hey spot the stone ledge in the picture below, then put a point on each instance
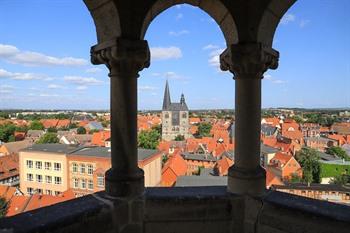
(200, 209)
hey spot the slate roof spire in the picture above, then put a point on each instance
(166, 100)
(182, 100)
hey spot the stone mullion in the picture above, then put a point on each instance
(124, 58)
(247, 62)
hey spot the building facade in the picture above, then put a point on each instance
(43, 169)
(175, 120)
(54, 168)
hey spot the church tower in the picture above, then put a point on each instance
(174, 117)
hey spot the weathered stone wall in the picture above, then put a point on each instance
(190, 209)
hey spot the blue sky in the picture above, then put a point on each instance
(45, 44)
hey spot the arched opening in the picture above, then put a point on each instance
(216, 10)
(185, 45)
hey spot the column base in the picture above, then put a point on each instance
(124, 185)
(244, 182)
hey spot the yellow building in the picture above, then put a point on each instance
(43, 168)
(53, 168)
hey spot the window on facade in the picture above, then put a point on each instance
(75, 167)
(90, 185)
(29, 177)
(47, 165)
(39, 191)
(39, 178)
(48, 179)
(58, 180)
(166, 115)
(48, 192)
(100, 180)
(83, 183)
(57, 166)
(57, 193)
(38, 165)
(29, 164)
(82, 168)
(184, 115)
(75, 183)
(90, 169)
(30, 191)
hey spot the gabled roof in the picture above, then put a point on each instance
(15, 147)
(20, 204)
(177, 164)
(7, 192)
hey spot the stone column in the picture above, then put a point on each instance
(248, 62)
(124, 59)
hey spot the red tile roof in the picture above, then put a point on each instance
(223, 165)
(99, 138)
(49, 123)
(174, 167)
(7, 192)
(20, 204)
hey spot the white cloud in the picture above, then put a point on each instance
(147, 88)
(210, 47)
(48, 95)
(179, 33)
(8, 50)
(82, 80)
(6, 89)
(287, 18)
(269, 78)
(12, 54)
(81, 88)
(23, 76)
(170, 75)
(179, 16)
(54, 86)
(304, 22)
(93, 70)
(214, 58)
(165, 53)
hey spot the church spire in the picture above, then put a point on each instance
(182, 100)
(166, 100)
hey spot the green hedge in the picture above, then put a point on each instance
(332, 170)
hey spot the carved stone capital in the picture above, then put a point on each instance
(248, 60)
(122, 56)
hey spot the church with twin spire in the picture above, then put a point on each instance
(175, 119)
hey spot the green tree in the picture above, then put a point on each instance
(6, 131)
(20, 116)
(73, 125)
(81, 130)
(4, 205)
(179, 138)
(52, 130)
(158, 128)
(23, 129)
(338, 151)
(48, 138)
(298, 119)
(12, 138)
(36, 125)
(341, 179)
(295, 178)
(4, 115)
(309, 161)
(148, 139)
(204, 129)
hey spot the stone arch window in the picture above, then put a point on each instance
(122, 48)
